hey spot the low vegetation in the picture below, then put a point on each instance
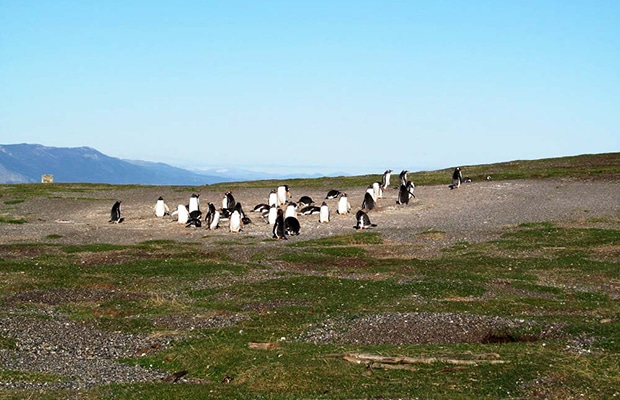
(295, 323)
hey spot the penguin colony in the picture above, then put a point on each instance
(282, 213)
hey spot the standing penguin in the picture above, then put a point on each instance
(194, 203)
(215, 221)
(343, 204)
(161, 209)
(291, 210)
(405, 193)
(235, 222)
(385, 180)
(182, 214)
(228, 202)
(377, 191)
(273, 198)
(402, 177)
(273, 214)
(115, 213)
(369, 202)
(279, 230)
(457, 178)
(210, 214)
(283, 194)
(362, 220)
(291, 226)
(324, 213)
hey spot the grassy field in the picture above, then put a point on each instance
(562, 281)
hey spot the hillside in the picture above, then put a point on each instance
(26, 163)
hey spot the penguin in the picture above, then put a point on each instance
(371, 191)
(403, 196)
(309, 210)
(194, 203)
(377, 192)
(115, 213)
(410, 189)
(368, 203)
(273, 198)
(182, 214)
(291, 226)
(457, 178)
(261, 208)
(283, 194)
(291, 210)
(244, 218)
(235, 222)
(225, 214)
(405, 193)
(279, 231)
(215, 220)
(343, 204)
(228, 201)
(363, 222)
(324, 213)
(273, 213)
(332, 194)
(385, 180)
(194, 219)
(210, 214)
(161, 209)
(305, 201)
(402, 177)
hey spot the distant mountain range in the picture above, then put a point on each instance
(27, 163)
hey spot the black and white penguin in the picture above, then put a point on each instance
(332, 194)
(228, 202)
(362, 220)
(210, 214)
(194, 219)
(182, 214)
(457, 178)
(402, 177)
(279, 230)
(215, 220)
(194, 203)
(405, 193)
(309, 210)
(385, 180)
(283, 194)
(324, 213)
(305, 201)
(273, 198)
(291, 210)
(244, 218)
(261, 208)
(377, 191)
(225, 214)
(368, 203)
(370, 190)
(115, 213)
(291, 226)
(273, 214)
(235, 222)
(343, 204)
(161, 208)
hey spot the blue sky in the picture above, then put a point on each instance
(313, 86)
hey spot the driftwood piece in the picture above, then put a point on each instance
(377, 361)
(263, 346)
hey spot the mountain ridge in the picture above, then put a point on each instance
(27, 163)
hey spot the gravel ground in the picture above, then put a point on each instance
(47, 342)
